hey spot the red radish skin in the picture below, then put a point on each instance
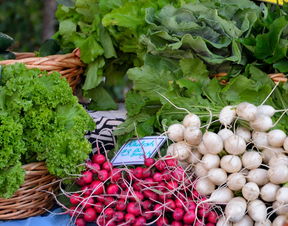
(191, 206)
(212, 217)
(140, 221)
(75, 199)
(116, 175)
(170, 204)
(134, 208)
(99, 159)
(109, 201)
(129, 217)
(148, 215)
(203, 213)
(210, 224)
(80, 222)
(101, 199)
(72, 211)
(80, 181)
(94, 167)
(157, 177)
(112, 189)
(178, 214)
(88, 202)
(139, 195)
(178, 203)
(150, 195)
(98, 206)
(138, 172)
(149, 162)
(108, 213)
(189, 217)
(171, 162)
(137, 186)
(160, 165)
(103, 175)
(162, 221)
(119, 216)
(176, 223)
(147, 204)
(86, 190)
(120, 205)
(146, 173)
(107, 166)
(97, 187)
(158, 209)
(90, 215)
(172, 185)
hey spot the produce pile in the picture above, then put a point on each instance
(159, 192)
(243, 166)
(40, 120)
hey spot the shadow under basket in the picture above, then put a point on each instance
(33, 197)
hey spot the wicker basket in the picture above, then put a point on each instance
(31, 198)
(68, 65)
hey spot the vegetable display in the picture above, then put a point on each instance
(244, 165)
(40, 120)
(160, 193)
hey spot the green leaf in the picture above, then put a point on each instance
(106, 43)
(101, 100)
(90, 50)
(195, 70)
(134, 103)
(67, 3)
(67, 27)
(94, 75)
(282, 66)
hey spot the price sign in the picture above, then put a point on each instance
(132, 153)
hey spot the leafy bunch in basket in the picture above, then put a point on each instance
(40, 120)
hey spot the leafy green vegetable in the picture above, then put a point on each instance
(40, 120)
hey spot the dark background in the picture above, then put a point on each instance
(29, 22)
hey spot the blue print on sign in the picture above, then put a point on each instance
(132, 153)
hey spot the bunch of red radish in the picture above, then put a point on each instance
(160, 192)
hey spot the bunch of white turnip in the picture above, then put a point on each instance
(244, 168)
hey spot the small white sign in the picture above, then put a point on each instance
(132, 153)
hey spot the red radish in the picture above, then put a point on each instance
(86, 190)
(178, 174)
(119, 216)
(103, 175)
(212, 217)
(191, 206)
(109, 212)
(112, 189)
(75, 199)
(97, 187)
(158, 209)
(136, 186)
(138, 172)
(89, 215)
(157, 177)
(197, 223)
(162, 186)
(178, 214)
(129, 217)
(94, 167)
(101, 199)
(166, 175)
(134, 208)
(148, 215)
(80, 181)
(160, 165)
(98, 206)
(140, 221)
(139, 195)
(149, 181)
(172, 185)
(111, 223)
(189, 217)
(146, 173)
(210, 224)
(170, 204)
(108, 200)
(149, 162)
(203, 213)
(150, 195)
(146, 204)
(88, 202)
(107, 166)
(99, 159)
(115, 175)
(176, 223)
(101, 220)
(162, 221)
(171, 162)
(80, 222)
(178, 203)
(120, 205)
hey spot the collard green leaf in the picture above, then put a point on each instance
(101, 99)
(94, 74)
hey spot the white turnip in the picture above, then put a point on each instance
(268, 192)
(260, 140)
(227, 115)
(212, 142)
(262, 123)
(266, 110)
(176, 132)
(244, 133)
(236, 181)
(235, 209)
(210, 161)
(259, 176)
(191, 120)
(276, 138)
(217, 176)
(231, 163)
(278, 174)
(250, 191)
(235, 145)
(257, 210)
(246, 111)
(192, 135)
(251, 160)
(225, 133)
